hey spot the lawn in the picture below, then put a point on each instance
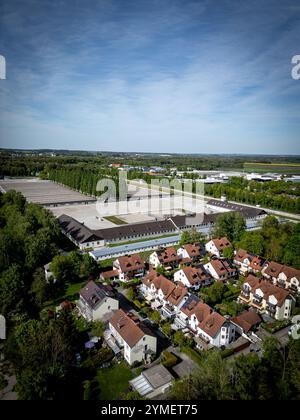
(113, 381)
(193, 354)
(72, 294)
(116, 220)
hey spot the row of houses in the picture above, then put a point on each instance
(270, 293)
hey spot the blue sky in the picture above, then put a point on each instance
(186, 76)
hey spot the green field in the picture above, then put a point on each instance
(284, 168)
(113, 381)
(116, 220)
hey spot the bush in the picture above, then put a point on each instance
(226, 353)
(168, 359)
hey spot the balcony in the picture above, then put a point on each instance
(271, 308)
(168, 311)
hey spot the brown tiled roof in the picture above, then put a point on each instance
(190, 305)
(129, 328)
(274, 269)
(167, 255)
(247, 320)
(193, 250)
(196, 275)
(109, 274)
(202, 311)
(212, 324)
(177, 294)
(256, 262)
(222, 267)
(131, 263)
(267, 288)
(221, 243)
(240, 255)
(159, 282)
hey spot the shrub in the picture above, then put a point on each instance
(168, 359)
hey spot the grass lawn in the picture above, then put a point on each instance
(116, 220)
(113, 381)
(72, 293)
(193, 354)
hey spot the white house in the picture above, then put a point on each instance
(217, 246)
(191, 252)
(129, 267)
(193, 277)
(283, 276)
(165, 296)
(220, 270)
(248, 262)
(212, 328)
(267, 298)
(166, 258)
(97, 302)
(138, 343)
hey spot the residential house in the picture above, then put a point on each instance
(166, 257)
(193, 277)
(191, 252)
(248, 262)
(183, 316)
(166, 296)
(217, 246)
(139, 344)
(283, 276)
(221, 269)
(266, 297)
(210, 327)
(97, 302)
(129, 267)
(247, 321)
(174, 301)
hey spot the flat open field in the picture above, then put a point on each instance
(43, 192)
(283, 168)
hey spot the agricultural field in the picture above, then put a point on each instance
(283, 168)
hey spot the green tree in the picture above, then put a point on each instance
(231, 225)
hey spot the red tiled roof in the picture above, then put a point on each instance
(193, 250)
(131, 263)
(212, 324)
(221, 243)
(222, 267)
(274, 269)
(196, 275)
(159, 282)
(177, 294)
(167, 255)
(129, 328)
(247, 320)
(267, 288)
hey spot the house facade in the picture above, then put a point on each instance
(166, 258)
(248, 262)
(193, 277)
(221, 269)
(217, 246)
(97, 302)
(129, 267)
(283, 276)
(191, 252)
(266, 297)
(137, 342)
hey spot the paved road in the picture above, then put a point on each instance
(201, 197)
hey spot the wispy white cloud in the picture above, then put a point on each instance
(198, 78)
